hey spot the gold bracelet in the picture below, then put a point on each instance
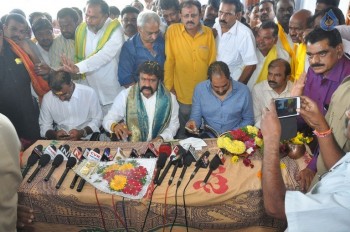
(114, 124)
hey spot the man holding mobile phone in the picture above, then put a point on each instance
(74, 108)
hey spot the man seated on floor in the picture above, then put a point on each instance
(223, 103)
(69, 111)
(277, 85)
(328, 201)
(145, 111)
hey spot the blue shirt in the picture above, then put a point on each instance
(235, 111)
(133, 54)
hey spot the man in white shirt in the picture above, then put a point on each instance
(73, 108)
(277, 85)
(326, 207)
(266, 51)
(99, 41)
(235, 42)
(145, 111)
(43, 32)
(129, 21)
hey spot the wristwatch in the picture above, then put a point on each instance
(84, 132)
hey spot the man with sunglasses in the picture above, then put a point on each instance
(145, 111)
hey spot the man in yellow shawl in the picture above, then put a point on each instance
(145, 111)
(98, 42)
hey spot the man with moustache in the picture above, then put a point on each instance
(63, 44)
(98, 43)
(129, 21)
(267, 10)
(147, 44)
(223, 103)
(190, 49)
(266, 51)
(235, 42)
(211, 12)
(146, 111)
(170, 11)
(277, 85)
(43, 32)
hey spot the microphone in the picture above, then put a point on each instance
(32, 159)
(172, 158)
(70, 163)
(106, 155)
(51, 150)
(151, 151)
(134, 154)
(165, 148)
(55, 163)
(95, 154)
(178, 163)
(78, 154)
(187, 162)
(160, 165)
(214, 164)
(44, 160)
(203, 162)
(64, 150)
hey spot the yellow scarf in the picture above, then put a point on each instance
(283, 38)
(300, 60)
(80, 39)
(272, 55)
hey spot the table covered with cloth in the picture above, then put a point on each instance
(231, 200)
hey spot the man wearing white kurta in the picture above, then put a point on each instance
(98, 57)
(235, 42)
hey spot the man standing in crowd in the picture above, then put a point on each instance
(328, 197)
(68, 20)
(235, 42)
(146, 45)
(266, 51)
(267, 10)
(129, 21)
(211, 12)
(224, 104)
(97, 48)
(73, 108)
(190, 49)
(170, 11)
(43, 32)
(277, 85)
(324, 4)
(145, 111)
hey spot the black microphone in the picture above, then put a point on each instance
(203, 162)
(70, 163)
(178, 163)
(160, 165)
(106, 156)
(32, 159)
(187, 162)
(78, 153)
(214, 164)
(82, 181)
(55, 163)
(64, 150)
(172, 158)
(44, 160)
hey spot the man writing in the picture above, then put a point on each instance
(223, 103)
(74, 108)
(145, 111)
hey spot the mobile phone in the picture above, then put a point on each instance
(287, 107)
(192, 131)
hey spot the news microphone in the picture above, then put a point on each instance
(78, 154)
(214, 164)
(160, 165)
(44, 160)
(82, 181)
(106, 155)
(64, 150)
(32, 159)
(172, 159)
(70, 163)
(165, 148)
(51, 150)
(203, 162)
(178, 163)
(187, 162)
(57, 161)
(151, 151)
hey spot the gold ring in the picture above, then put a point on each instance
(124, 127)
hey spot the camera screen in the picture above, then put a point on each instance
(286, 107)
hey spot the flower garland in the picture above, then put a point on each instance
(127, 177)
(241, 142)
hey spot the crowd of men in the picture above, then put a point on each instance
(170, 69)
